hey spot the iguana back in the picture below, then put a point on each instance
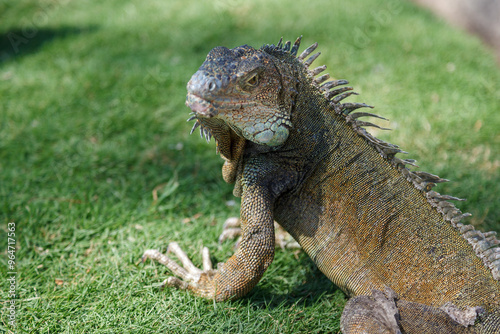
(368, 227)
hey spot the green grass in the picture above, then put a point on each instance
(92, 120)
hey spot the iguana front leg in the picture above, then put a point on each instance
(245, 268)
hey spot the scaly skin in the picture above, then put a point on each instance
(375, 229)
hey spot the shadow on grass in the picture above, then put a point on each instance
(315, 287)
(20, 42)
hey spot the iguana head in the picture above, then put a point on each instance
(242, 90)
(248, 94)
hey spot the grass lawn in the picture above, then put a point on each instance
(92, 126)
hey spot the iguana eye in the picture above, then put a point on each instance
(253, 80)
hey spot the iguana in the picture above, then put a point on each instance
(299, 155)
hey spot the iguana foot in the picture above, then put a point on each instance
(371, 314)
(232, 230)
(191, 277)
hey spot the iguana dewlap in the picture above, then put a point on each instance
(300, 156)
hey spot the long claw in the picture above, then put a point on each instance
(232, 222)
(229, 233)
(231, 229)
(182, 256)
(175, 282)
(207, 263)
(154, 254)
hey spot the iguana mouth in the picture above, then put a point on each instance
(204, 114)
(200, 106)
(211, 108)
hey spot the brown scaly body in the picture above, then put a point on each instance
(299, 156)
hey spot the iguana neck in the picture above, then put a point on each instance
(317, 130)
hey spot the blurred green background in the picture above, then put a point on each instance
(97, 165)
